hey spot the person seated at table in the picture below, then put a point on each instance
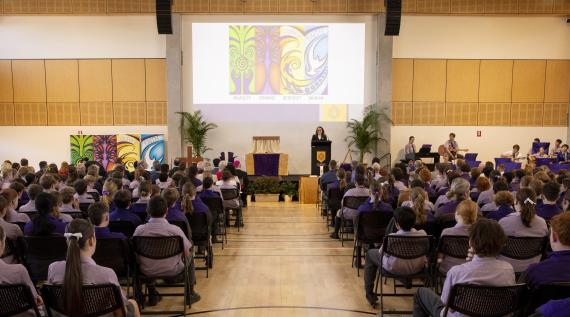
(540, 154)
(46, 223)
(515, 154)
(486, 239)
(410, 150)
(503, 201)
(556, 148)
(563, 156)
(121, 212)
(458, 192)
(549, 207)
(99, 217)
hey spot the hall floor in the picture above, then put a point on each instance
(282, 263)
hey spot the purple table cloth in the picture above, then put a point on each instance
(266, 164)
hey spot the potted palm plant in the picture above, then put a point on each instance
(364, 135)
(289, 190)
(266, 189)
(195, 129)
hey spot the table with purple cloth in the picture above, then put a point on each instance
(267, 164)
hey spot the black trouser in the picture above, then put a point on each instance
(180, 277)
(427, 303)
(371, 265)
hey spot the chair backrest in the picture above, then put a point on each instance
(371, 226)
(125, 227)
(43, 251)
(334, 198)
(214, 204)
(522, 248)
(9, 247)
(98, 300)
(32, 214)
(113, 253)
(183, 225)
(353, 202)
(198, 222)
(16, 299)
(445, 221)
(485, 301)
(158, 248)
(95, 195)
(407, 247)
(139, 208)
(76, 214)
(84, 206)
(453, 246)
(230, 193)
(545, 292)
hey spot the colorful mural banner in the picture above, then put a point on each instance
(130, 148)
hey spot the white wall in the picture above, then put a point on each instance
(295, 136)
(61, 37)
(480, 38)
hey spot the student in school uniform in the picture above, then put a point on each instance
(405, 220)
(486, 238)
(524, 223)
(144, 190)
(442, 197)
(421, 205)
(458, 192)
(465, 215)
(57, 212)
(79, 269)
(209, 190)
(563, 156)
(122, 202)
(11, 230)
(556, 148)
(481, 184)
(549, 207)
(191, 205)
(46, 223)
(158, 226)
(33, 191)
(11, 214)
(81, 194)
(498, 186)
(171, 197)
(99, 217)
(12, 274)
(503, 201)
(488, 195)
(68, 200)
(553, 308)
(515, 154)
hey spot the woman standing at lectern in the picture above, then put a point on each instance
(319, 135)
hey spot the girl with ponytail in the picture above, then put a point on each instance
(458, 192)
(421, 205)
(46, 223)
(79, 269)
(192, 204)
(524, 223)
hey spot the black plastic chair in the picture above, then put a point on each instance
(32, 214)
(370, 229)
(523, 248)
(95, 195)
(545, 292)
(43, 251)
(158, 248)
(485, 301)
(408, 248)
(201, 238)
(450, 246)
(347, 225)
(183, 225)
(98, 300)
(219, 223)
(231, 194)
(115, 254)
(333, 200)
(125, 227)
(76, 214)
(444, 222)
(84, 206)
(16, 299)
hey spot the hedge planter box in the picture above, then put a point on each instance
(266, 198)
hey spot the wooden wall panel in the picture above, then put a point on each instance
(402, 79)
(461, 113)
(467, 6)
(494, 114)
(527, 114)
(402, 113)
(331, 6)
(557, 86)
(20, 6)
(409, 6)
(156, 113)
(123, 6)
(359, 6)
(129, 113)
(191, 6)
(226, 6)
(428, 113)
(295, 6)
(528, 80)
(62, 80)
(562, 6)
(536, 6)
(433, 6)
(555, 114)
(95, 83)
(495, 81)
(128, 80)
(89, 6)
(29, 80)
(63, 114)
(462, 81)
(55, 6)
(429, 80)
(148, 5)
(6, 89)
(30, 113)
(155, 79)
(501, 6)
(6, 114)
(96, 113)
(261, 6)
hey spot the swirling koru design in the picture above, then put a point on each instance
(105, 150)
(129, 149)
(304, 60)
(81, 147)
(152, 148)
(242, 59)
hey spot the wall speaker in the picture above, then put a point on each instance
(164, 16)
(393, 16)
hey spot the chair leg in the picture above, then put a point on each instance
(381, 292)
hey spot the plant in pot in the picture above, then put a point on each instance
(364, 135)
(289, 189)
(195, 130)
(266, 189)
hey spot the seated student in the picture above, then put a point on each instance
(540, 154)
(11, 214)
(425, 177)
(46, 223)
(110, 188)
(137, 179)
(421, 205)
(99, 217)
(553, 308)
(563, 156)
(18, 186)
(191, 204)
(209, 190)
(503, 203)
(474, 176)
(79, 269)
(555, 267)
(11, 230)
(465, 215)
(68, 200)
(556, 148)
(465, 170)
(441, 178)
(57, 212)
(489, 195)
(515, 154)
(33, 191)
(398, 178)
(192, 173)
(81, 194)
(171, 197)
(122, 202)
(144, 190)
(442, 198)
(481, 184)
(405, 220)
(524, 223)
(92, 182)
(498, 185)
(158, 226)
(329, 176)
(163, 180)
(48, 182)
(228, 182)
(549, 207)
(12, 274)
(458, 192)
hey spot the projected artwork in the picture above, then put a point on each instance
(105, 149)
(278, 59)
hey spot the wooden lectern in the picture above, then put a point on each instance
(320, 156)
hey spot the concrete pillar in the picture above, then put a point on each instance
(384, 88)
(174, 88)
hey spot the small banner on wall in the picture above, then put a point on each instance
(106, 149)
